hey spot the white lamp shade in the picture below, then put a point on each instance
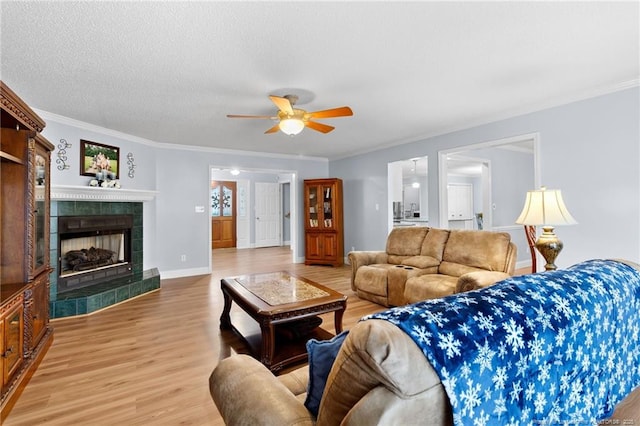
(545, 207)
(291, 126)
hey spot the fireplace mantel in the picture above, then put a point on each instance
(89, 193)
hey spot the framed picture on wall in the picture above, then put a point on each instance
(99, 160)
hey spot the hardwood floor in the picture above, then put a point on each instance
(148, 361)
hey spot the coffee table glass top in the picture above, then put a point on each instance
(278, 288)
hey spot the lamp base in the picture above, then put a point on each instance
(550, 247)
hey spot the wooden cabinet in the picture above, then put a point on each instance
(11, 344)
(37, 311)
(460, 201)
(324, 235)
(25, 333)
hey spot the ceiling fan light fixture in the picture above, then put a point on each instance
(291, 121)
(291, 126)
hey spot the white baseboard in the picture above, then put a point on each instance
(181, 273)
(523, 264)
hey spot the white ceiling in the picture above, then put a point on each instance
(169, 72)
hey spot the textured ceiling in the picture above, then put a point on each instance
(169, 72)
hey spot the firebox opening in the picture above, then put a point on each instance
(93, 249)
(85, 253)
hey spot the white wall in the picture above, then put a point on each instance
(589, 149)
(181, 176)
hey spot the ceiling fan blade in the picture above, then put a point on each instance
(283, 104)
(333, 112)
(319, 126)
(273, 129)
(251, 116)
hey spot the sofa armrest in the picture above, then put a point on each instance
(247, 393)
(479, 279)
(363, 258)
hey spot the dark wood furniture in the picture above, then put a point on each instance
(530, 232)
(25, 333)
(324, 234)
(278, 299)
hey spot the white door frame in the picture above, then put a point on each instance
(224, 170)
(282, 182)
(442, 167)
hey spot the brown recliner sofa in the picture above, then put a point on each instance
(422, 263)
(380, 377)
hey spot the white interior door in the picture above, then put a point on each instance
(268, 215)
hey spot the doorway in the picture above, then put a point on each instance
(223, 214)
(245, 204)
(505, 170)
(408, 192)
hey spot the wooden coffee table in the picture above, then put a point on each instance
(277, 298)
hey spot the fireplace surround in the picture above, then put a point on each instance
(82, 300)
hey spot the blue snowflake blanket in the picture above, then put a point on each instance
(548, 348)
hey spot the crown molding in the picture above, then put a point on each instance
(49, 116)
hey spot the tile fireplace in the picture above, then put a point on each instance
(85, 280)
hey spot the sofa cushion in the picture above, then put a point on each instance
(297, 381)
(456, 269)
(406, 241)
(475, 249)
(373, 278)
(421, 262)
(434, 242)
(322, 353)
(430, 286)
(376, 355)
(247, 393)
(395, 259)
(396, 279)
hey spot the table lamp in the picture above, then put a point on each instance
(545, 207)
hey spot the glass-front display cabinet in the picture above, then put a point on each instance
(25, 332)
(40, 206)
(324, 238)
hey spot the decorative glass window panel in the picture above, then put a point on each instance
(227, 201)
(215, 201)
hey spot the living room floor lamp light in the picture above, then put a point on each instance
(545, 207)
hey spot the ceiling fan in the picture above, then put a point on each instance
(292, 121)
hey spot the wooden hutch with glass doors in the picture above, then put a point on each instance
(25, 333)
(324, 234)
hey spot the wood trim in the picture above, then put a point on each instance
(88, 193)
(17, 108)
